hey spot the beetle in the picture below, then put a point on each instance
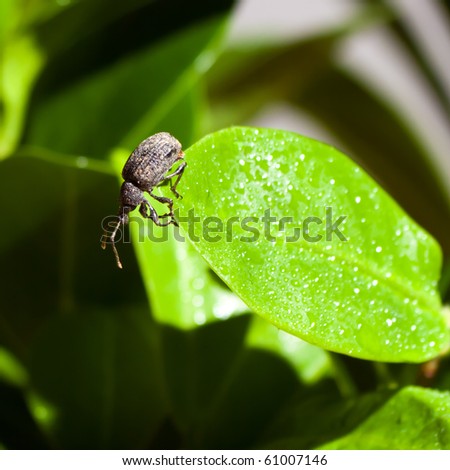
(145, 169)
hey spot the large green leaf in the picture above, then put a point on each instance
(414, 418)
(372, 295)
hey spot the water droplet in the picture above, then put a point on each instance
(374, 282)
(356, 290)
(389, 322)
(413, 327)
(241, 162)
(357, 199)
(302, 157)
(378, 249)
(332, 181)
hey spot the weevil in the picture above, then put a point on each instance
(147, 167)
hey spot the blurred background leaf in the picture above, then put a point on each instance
(424, 426)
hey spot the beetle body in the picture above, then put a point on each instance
(146, 168)
(151, 160)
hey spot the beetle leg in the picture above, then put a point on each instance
(164, 200)
(169, 202)
(146, 207)
(178, 172)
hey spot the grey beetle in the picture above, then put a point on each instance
(146, 168)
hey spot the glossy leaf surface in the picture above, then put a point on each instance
(367, 291)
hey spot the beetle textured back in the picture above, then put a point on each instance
(145, 169)
(151, 160)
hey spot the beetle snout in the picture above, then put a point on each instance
(180, 155)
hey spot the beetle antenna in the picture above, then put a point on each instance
(112, 238)
(116, 254)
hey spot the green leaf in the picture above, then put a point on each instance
(108, 392)
(180, 287)
(107, 105)
(444, 284)
(100, 33)
(327, 414)
(11, 370)
(414, 418)
(212, 376)
(246, 78)
(371, 296)
(310, 362)
(249, 76)
(20, 63)
(37, 193)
